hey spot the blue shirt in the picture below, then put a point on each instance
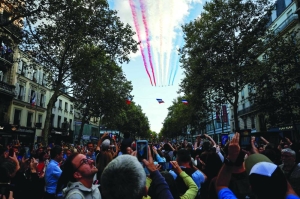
(93, 156)
(226, 193)
(197, 176)
(52, 175)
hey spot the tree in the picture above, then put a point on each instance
(131, 119)
(100, 87)
(222, 47)
(56, 36)
(276, 84)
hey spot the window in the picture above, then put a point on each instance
(58, 121)
(70, 123)
(35, 76)
(60, 104)
(42, 100)
(245, 123)
(71, 108)
(29, 119)
(17, 117)
(52, 120)
(21, 94)
(243, 94)
(252, 123)
(31, 96)
(40, 118)
(66, 106)
(243, 106)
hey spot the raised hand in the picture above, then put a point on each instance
(234, 148)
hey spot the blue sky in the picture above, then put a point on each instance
(173, 14)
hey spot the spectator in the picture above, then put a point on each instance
(266, 179)
(127, 175)
(53, 172)
(184, 161)
(290, 168)
(77, 178)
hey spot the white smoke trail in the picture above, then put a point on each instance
(169, 41)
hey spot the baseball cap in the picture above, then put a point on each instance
(266, 178)
(105, 144)
(254, 159)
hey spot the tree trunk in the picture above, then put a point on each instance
(81, 129)
(235, 115)
(50, 104)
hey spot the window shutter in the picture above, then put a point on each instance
(38, 99)
(40, 80)
(23, 94)
(37, 76)
(20, 66)
(29, 95)
(17, 90)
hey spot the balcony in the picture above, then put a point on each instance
(7, 89)
(5, 62)
(12, 28)
(246, 111)
(286, 23)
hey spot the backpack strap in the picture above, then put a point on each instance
(76, 191)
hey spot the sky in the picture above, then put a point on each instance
(157, 24)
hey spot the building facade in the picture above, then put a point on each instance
(283, 19)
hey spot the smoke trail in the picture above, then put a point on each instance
(161, 59)
(170, 39)
(136, 24)
(177, 63)
(142, 5)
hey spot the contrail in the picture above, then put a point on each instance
(143, 8)
(169, 40)
(136, 24)
(177, 63)
(161, 53)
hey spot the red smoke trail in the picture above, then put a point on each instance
(136, 24)
(142, 4)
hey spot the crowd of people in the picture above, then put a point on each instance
(111, 170)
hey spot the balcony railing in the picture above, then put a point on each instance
(246, 111)
(286, 22)
(7, 89)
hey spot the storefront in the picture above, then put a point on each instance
(10, 133)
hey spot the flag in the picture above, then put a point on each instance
(32, 100)
(160, 101)
(128, 100)
(184, 101)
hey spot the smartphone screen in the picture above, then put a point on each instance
(11, 152)
(142, 149)
(245, 139)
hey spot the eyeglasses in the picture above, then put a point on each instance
(82, 162)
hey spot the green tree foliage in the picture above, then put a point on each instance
(56, 36)
(130, 119)
(99, 88)
(179, 117)
(222, 47)
(277, 94)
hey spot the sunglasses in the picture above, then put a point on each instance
(82, 162)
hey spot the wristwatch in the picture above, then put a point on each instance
(228, 162)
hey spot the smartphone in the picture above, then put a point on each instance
(11, 152)
(142, 150)
(245, 139)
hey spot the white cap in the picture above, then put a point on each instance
(263, 168)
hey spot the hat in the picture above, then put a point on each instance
(266, 178)
(105, 144)
(261, 168)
